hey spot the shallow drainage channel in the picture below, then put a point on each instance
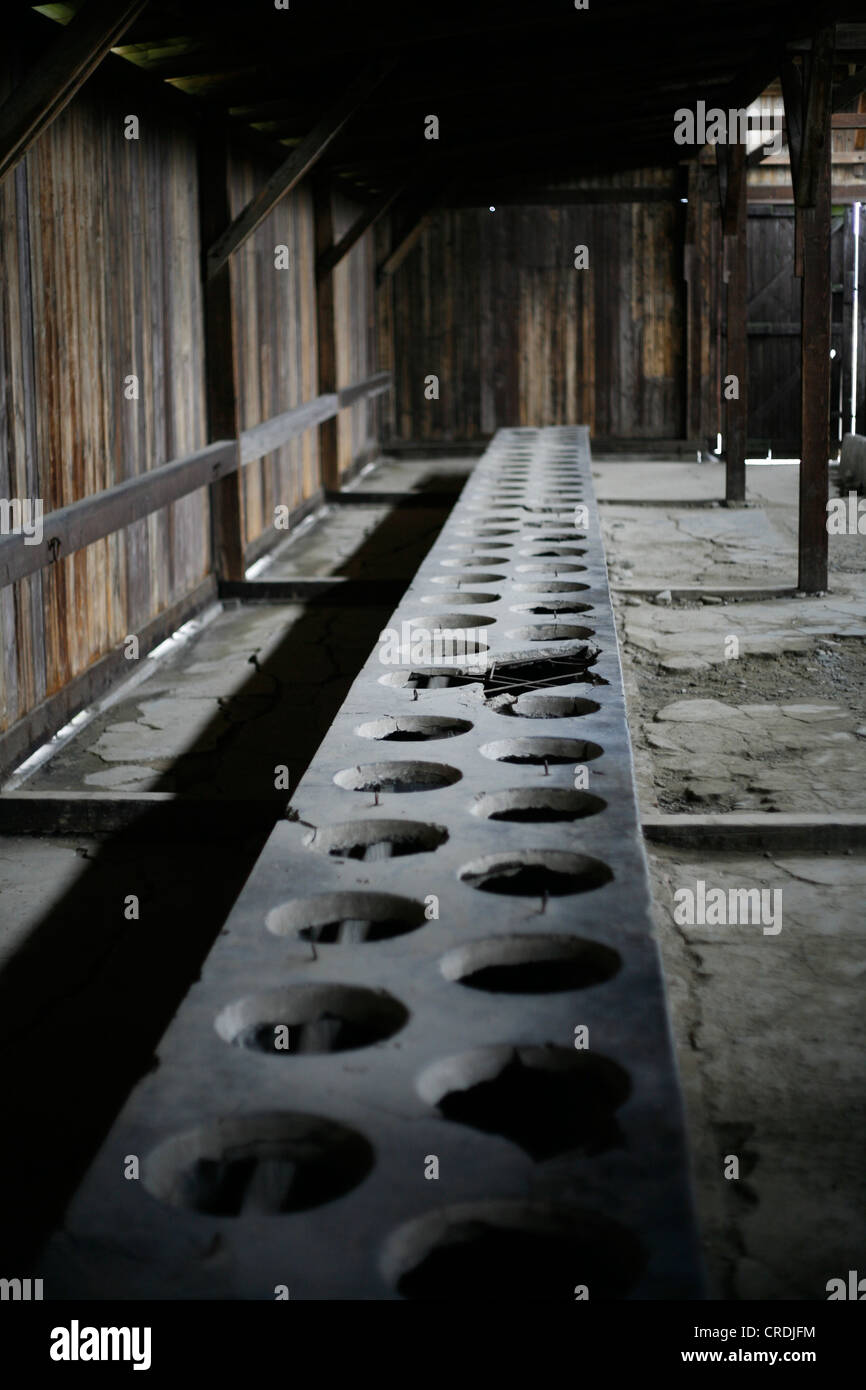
(429, 1055)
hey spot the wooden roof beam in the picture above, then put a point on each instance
(532, 195)
(371, 214)
(412, 229)
(62, 70)
(849, 90)
(299, 163)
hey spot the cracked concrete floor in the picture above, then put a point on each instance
(85, 993)
(255, 688)
(770, 1036)
(259, 684)
(770, 1029)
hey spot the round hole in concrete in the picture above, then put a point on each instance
(444, 622)
(468, 578)
(468, 547)
(302, 1019)
(542, 550)
(374, 840)
(551, 632)
(552, 586)
(537, 964)
(397, 777)
(551, 567)
(265, 1162)
(551, 606)
(413, 728)
(460, 562)
(549, 1100)
(459, 596)
(486, 503)
(346, 918)
(430, 678)
(535, 873)
(538, 751)
(531, 804)
(548, 707)
(483, 531)
(563, 537)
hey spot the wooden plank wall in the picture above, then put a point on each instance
(491, 304)
(275, 341)
(100, 281)
(354, 313)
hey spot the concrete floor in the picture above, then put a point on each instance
(85, 993)
(770, 1029)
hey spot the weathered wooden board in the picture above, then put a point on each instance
(354, 310)
(274, 307)
(100, 282)
(492, 304)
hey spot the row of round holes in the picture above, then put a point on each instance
(462, 1089)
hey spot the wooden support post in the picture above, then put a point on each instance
(226, 495)
(692, 274)
(808, 105)
(737, 343)
(814, 213)
(329, 462)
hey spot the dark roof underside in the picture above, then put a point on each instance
(525, 93)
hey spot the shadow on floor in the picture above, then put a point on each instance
(86, 998)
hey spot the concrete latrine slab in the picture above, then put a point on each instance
(429, 1055)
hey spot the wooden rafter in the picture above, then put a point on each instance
(370, 215)
(302, 159)
(76, 52)
(411, 230)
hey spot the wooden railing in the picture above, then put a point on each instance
(81, 523)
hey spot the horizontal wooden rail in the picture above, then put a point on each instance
(370, 386)
(261, 439)
(81, 523)
(269, 435)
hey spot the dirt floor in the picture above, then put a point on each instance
(769, 1028)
